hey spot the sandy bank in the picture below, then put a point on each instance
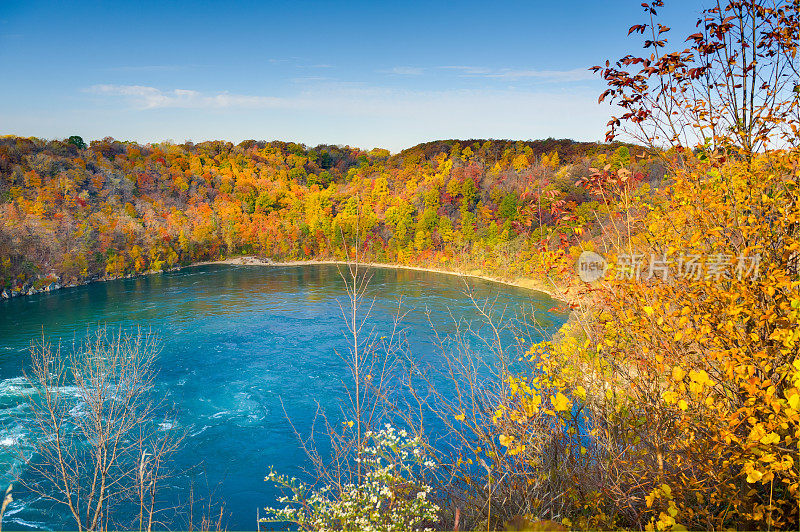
(552, 290)
(569, 295)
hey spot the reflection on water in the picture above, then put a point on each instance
(236, 341)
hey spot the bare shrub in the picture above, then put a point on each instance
(97, 449)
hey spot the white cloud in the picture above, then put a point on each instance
(576, 74)
(468, 70)
(149, 68)
(151, 98)
(404, 71)
(309, 79)
(557, 76)
(354, 113)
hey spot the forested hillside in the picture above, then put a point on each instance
(71, 212)
(669, 401)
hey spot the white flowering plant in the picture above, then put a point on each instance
(388, 498)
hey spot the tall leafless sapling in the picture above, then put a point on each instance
(98, 450)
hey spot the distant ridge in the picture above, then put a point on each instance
(566, 148)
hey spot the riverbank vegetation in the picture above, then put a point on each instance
(672, 402)
(72, 214)
(95, 432)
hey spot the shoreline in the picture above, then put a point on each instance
(554, 292)
(560, 294)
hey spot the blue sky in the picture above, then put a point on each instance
(368, 74)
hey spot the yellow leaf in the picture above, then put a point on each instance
(460, 417)
(506, 440)
(700, 377)
(648, 310)
(678, 374)
(561, 403)
(648, 499)
(770, 439)
(754, 476)
(794, 399)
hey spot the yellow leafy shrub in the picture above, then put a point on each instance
(686, 375)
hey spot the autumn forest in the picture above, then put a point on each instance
(76, 213)
(648, 378)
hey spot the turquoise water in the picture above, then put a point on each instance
(236, 342)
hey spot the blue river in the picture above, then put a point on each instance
(243, 350)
